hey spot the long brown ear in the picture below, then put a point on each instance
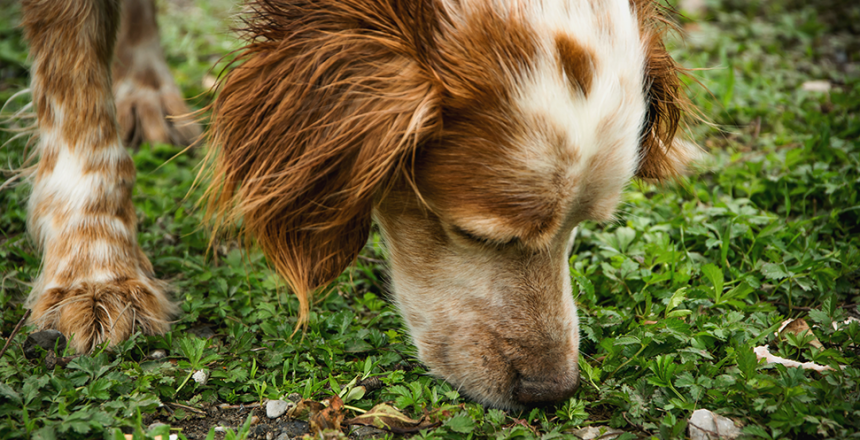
(329, 102)
(662, 154)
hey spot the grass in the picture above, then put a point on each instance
(673, 296)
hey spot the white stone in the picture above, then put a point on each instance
(158, 354)
(597, 432)
(705, 425)
(277, 408)
(816, 86)
(200, 377)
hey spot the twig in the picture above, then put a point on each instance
(189, 408)
(241, 406)
(635, 425)
(52, 360)
(806, 309)
(372, 260)
(15, 332)
(802, 309)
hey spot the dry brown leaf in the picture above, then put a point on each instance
(384, 416)
(328, 419)
(799, 327)
(304, 409)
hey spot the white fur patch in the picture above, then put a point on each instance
(611, 114)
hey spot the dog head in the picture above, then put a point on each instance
(477, 133)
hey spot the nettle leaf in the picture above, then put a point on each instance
(93, 366)
(45, 433)
(756, 431)
(679, 313)
(461, 423)
(627, 340)
(101, 419)
(820, 317)
(400, 390)
(572, 411)
(9, 393)
(585, 286)
(496, 416)
(677, 298)
(590, 373)
(715, 276)
(32, 386)
(685, 379)
(98, 389)
(773, 271)
(747, 361)
(739, 292)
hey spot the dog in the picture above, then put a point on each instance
(476, 133)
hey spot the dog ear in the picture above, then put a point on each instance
(327, 106)
(662, 154)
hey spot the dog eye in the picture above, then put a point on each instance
(481, 240)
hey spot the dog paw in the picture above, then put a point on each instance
(91, 313)
(150, 108)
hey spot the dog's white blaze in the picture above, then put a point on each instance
(615, 99)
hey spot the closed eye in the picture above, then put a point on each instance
(482, 240)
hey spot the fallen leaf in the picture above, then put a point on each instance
(761, 352)
(384, 416)
(304, 409)
(799, 327)
(329, 419)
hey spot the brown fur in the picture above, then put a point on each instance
(340, 111)
(77, 34)
(309, 161)
(95, 283)
(150, 107)
(667, 101)
(577, 61)
(333, 97)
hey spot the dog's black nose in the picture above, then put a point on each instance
(541, 391)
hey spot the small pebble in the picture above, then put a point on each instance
(366, 432)
(821, 86)
(705, 425)
(254, 420)
(158, 354)
(283, 436)
(277, 408)
(200, 377)
(597, 433)
(294, 397)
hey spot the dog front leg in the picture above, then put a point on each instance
(95, 282)
(150, 107)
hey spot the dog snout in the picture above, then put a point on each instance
(545, 390)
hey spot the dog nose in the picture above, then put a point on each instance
(540, 391)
